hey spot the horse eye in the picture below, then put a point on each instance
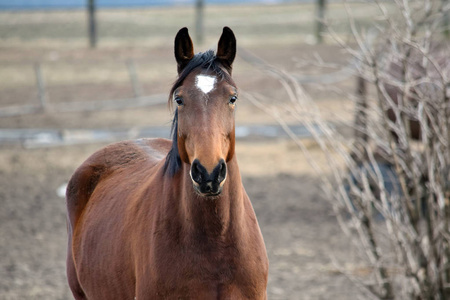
(178, 100)
(233, 99)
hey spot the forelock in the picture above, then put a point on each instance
(206, 61)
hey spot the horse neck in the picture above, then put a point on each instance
(212, 217)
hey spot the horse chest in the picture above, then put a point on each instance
(198, 272)
(197, 261)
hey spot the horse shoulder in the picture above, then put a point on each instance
(255, 274)
(107, 161)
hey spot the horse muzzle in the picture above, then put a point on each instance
(205, 183)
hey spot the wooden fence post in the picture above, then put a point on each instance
(137, 89)
(199, 6)
(92, 24)
(42, 95)
(320, 14)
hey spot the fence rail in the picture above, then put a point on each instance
(34, 138)
(44, 105)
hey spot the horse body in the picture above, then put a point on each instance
(134, 231)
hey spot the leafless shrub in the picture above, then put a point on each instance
(390, 186)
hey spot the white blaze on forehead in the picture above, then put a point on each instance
(205, 83)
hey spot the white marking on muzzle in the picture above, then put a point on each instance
(205, 83)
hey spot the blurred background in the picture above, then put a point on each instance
(76, 75)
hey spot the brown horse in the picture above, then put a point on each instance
(161, 219)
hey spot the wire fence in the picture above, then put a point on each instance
(47, 67)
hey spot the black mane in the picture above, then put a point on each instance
(206, 61)
(173, 160)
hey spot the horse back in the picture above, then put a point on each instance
(119, 157)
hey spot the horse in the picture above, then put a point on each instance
(170, 219)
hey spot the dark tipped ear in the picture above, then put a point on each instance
(226, 50)
(184, 49)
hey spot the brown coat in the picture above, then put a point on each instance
(147, 235)
(160, 219)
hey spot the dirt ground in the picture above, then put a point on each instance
(301, 234)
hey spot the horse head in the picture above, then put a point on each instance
(205, 97)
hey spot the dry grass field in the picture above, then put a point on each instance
(301, 234)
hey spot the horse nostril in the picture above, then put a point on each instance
(205, 182)
(196, 171)
(222, 171)
(197, 166)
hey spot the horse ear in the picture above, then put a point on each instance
(226, 50)
(184, 49)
